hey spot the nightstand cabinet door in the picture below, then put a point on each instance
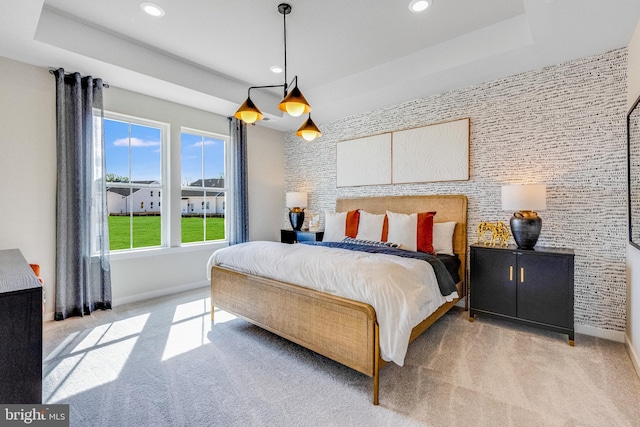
(543, 288)
(494, 288)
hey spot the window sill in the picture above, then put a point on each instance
(151, 252)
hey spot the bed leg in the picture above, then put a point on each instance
(376, 366)
(212, 308)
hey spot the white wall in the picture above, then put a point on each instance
(28, 166)
(266, 182)
(633, 254)
(28, 183)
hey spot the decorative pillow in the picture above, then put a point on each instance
(414, 232)
(443, 237)
(371, 242)
(334, 226)
(353, 221)
(370, 226)
(425, 232)
(338, 225)
(402, 229)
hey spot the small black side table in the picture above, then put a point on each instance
(295, 236)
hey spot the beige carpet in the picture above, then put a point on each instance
(162, 363)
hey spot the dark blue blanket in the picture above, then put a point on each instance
(443, 275)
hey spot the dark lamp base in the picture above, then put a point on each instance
(525, 227)
(296, 219)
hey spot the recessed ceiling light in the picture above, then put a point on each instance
(152, 9)
(276, 69)
(419, 5)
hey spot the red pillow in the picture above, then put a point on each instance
(385, 229)
(425, 232)
(351, 227)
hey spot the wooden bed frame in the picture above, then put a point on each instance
(338, 328)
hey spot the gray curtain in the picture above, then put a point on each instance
(238, 151)
(83, 277)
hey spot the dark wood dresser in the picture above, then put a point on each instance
(20, 330)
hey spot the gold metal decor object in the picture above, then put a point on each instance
(500, 234)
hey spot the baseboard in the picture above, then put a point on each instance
(158, 293)
(635, 358)
(607, 334)
(146, 295)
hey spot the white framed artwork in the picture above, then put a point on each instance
(364, 161)
(432, 153)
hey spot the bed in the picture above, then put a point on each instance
(342, 329)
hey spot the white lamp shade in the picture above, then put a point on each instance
(532, 197)
(296, 199)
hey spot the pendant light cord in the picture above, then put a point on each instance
(284, 20)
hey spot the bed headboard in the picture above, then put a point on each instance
(448, 208)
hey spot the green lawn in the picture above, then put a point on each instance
(146, 231)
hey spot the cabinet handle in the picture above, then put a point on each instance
(511, 273)
(521, 274)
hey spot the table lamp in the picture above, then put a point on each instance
(525, 222)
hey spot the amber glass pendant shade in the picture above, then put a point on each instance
(309, 131)
(248, 112)
(294, 103)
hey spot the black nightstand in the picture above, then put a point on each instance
(293, 236)
(529, 286)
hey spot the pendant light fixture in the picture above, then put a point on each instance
(309, 131)
(294, 103)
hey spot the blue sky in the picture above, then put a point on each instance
(140, 150)
(192, 150)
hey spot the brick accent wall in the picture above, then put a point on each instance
(563, 126)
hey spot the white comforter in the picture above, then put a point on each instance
(402, 291)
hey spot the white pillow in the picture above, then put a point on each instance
(370, 226)
(443, 237)
(402, 230)
(334, 226)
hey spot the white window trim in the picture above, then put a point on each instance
(228, 188)
(211, 246)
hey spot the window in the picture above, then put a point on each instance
(137, 156)
(203, 186)
(134, 169)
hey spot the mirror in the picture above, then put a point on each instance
(633, 168)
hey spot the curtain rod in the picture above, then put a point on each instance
(53, 70)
